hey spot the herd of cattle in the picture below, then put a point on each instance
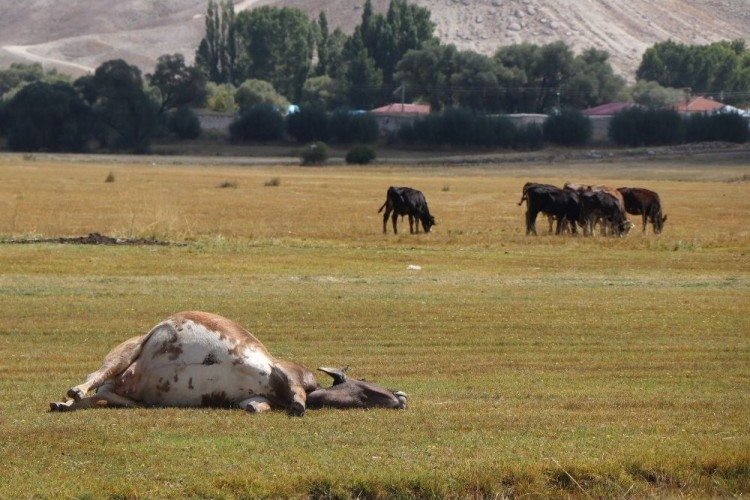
(571, 206)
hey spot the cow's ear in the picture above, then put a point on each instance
(664, 219)
(338, 375)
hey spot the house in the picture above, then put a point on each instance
(698, 105)
(609, 109)
(600, 117)
(392, 116)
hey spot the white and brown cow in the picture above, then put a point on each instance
(197, 359)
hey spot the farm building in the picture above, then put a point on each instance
(600, 117)
(392, 116)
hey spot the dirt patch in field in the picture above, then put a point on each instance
(96, 239)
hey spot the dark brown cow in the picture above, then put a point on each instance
(598, 205)
(599, 209)
(524, 197)
(553, 201)
(402, 201)
(646, 203)
(197, 359)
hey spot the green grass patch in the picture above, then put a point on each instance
(542, 367)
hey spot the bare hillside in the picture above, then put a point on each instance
(78, 35)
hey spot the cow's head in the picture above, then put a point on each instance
(659, 221)
(427, 222)
(347, 393)
(623, 227)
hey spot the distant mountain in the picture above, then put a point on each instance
(77, 35)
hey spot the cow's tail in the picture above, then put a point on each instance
(382, 207)
(523, 198)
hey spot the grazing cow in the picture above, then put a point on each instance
(526, 187)
(582, 188)
(600, 205)
(644, 202)
(198, 359)
(407, 201)
(553, 201)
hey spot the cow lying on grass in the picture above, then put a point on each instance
(198, 359)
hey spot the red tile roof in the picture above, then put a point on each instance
(395, 108)
(610, 108)
(699, 105)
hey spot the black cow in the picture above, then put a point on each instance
(644, 202)
(553, 201)
(526, 187)
(407, 201)
(596, 205)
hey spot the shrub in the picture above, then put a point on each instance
(647, 127)
(261, 123)
(348, 127)
(529, 137)
(568, 128)
(308, 124)
(51, 117)
(360, 155)
(729, 127)
(457, 126)
(315, 154)
(494, 131)
(184, 123)
(253, 92)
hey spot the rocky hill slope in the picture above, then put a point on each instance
(78, 35)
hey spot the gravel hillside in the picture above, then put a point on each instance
(78, 35)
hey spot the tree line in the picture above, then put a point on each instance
(272, 57)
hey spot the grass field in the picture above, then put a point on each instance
(536, 367)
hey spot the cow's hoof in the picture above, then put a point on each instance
(58, 407)
(75, 393)
(296, 409)
(401, 396)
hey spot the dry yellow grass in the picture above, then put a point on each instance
(547, 367)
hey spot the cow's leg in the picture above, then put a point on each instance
(116, 362)
(531, 222)
(256, 404)
(550, 221)
(104, 398)
(385, 218)
(394, 220)
(645, 221)
(412, 221)
(289, 389)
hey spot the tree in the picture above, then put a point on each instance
(128, 116)
(221, 97)
(388, 38)
(324, 91)
(721, 68)
(177, 84)
(428, 73)
(543, 69)
(19, 73)
(592, 82)
(276, 45)
(216, 56)
(653, 95)
(363, 77)
(446, 77)
(48, 116)
(254, 92)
